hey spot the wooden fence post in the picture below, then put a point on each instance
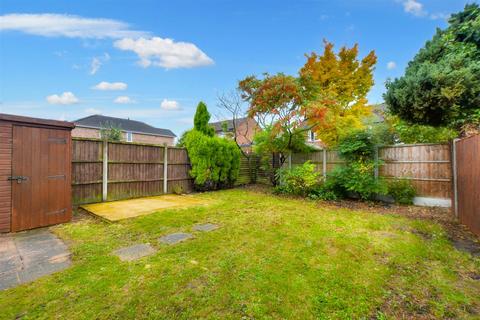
(324, 163)
(290, 160)
(105, 171)
(376, 163)
(453, 161)
(249, 170)
(165, 168)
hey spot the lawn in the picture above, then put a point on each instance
(271, 258)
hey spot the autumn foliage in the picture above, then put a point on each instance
(328, 96)
(339, 84)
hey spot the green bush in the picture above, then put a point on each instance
(402, 191)
(324, 192)
(357, 146)
(110, 132)
(177, 189)
(299, 180)
(215, 161)
(358, 178)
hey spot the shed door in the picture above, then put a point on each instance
(41, 195)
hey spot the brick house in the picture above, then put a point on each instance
(245, 130)
(133, 131)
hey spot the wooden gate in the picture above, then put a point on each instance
(467, 163)
(41, 186)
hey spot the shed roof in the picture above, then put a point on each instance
(36, 121)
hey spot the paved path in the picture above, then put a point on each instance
(26, 256)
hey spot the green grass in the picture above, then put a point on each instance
(272, 258)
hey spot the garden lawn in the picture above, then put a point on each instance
(271, 258)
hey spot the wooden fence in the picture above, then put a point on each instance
(136, 170)
(467, 182)
(118, 170)
(428, 166)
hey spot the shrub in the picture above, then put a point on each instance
(177, 189)
(215, 161)
(358, 178)
(402, 191)
(110, 132)
(358, 146)
(299, 180)
(324, 192)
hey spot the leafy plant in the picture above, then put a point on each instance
(324, 192)
(299, 180)
(357, 175)
(215, 161)
(110, 132)
(358, 178)
(402, 191)
(177, 189)
(357, 146)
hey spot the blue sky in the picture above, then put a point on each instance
(154, 60)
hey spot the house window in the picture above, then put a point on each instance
(129, 136)
(312, 136)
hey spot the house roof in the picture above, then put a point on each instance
(218, 126)
(98, 121)
(379, 112)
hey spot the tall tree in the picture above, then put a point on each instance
(337, 86)
(441, 85)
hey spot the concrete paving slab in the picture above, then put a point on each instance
(8, 280)
(206, 227)
(26, 256)
(175, 238)
(134, 252)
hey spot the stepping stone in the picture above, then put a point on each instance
(134, 252)
(175, 238)
(207, 227)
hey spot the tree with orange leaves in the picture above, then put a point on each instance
(338, 85)
(277, 103)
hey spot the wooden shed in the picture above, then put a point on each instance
(35, 172)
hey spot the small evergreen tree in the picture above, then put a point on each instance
(201, 119)
(215, 161)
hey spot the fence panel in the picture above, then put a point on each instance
(467, 153)
(134, 170)
(178, 168)
(427, 166)
(86, 171)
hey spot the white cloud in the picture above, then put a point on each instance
(165, 53)
(104, 86)
(414, 7)
(391, 65)
(417, 9)
(91, 111)
(97, 62)
(124, 100)
(169, 105)
(63, 25)
(64, 98)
